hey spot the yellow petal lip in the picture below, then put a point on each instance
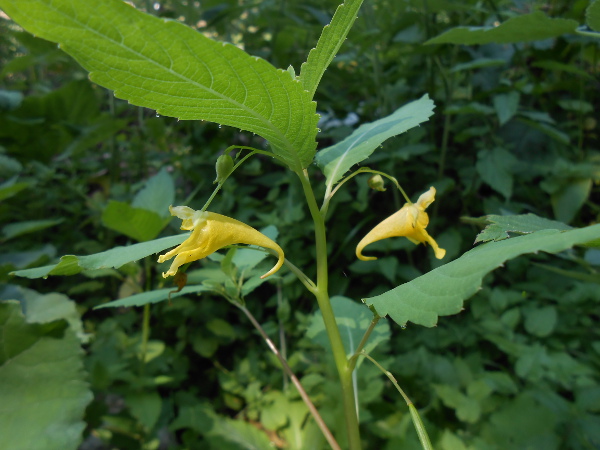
(210, 232)
(410, 222)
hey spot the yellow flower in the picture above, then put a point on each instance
(211, 232)
(410, 221)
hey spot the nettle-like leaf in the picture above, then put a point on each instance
(442, 291)
(500, 227)
(527, 27)
(336, 160)
(177, 71)
(332, 38)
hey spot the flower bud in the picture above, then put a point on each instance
(223, 168)
(376, 183)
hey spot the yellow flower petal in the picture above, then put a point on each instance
(410, 221)
(210, 232)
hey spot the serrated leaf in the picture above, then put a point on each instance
(336, 160)
(113, 258)
(442, 291)
(500, 227)
(527, 27)
(332, 38)
(171, 68)
(592, 15)
(137, 223)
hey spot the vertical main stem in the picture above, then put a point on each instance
(322, 295)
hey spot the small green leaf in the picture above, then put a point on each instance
(113, 258)
(506, 106)
(567, 201)
(159, 295)
(540, 321)
(332, 38)
(13, 230)
(137, 223)
(11, 188)
(527, 27)
(592, 15)
(442, 291)
(500, 227)
(157, 195)
(336, 160)
(495, 168)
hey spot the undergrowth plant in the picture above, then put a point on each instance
(178, 72)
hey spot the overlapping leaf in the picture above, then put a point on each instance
(332, 38)
(336, 160)
(113, 258)
(527, 27)
(177, 71)
(442, 291)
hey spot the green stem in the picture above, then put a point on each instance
(322, 295)
(417, 422)
(363, 342)
(330, 192)
(313, 410)
(145, 336)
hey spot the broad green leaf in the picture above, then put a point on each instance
(442, 291)
(13, 230)
(500, 227)
(42, 383)
(353, 319)
(177, 71)
(527, 27)
(336, 160)
(160, 295)
(136, 223)
(332, 38)
(592, 15)
(157, 195)
(495, 168)
(113, 258)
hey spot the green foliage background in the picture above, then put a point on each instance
(515, 131)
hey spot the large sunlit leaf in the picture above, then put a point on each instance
(42, 381)
(332, 38)
(113, 258)
(442, 291)
(527, 27)
(177, 71)
(137, 223)
(336, 160)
